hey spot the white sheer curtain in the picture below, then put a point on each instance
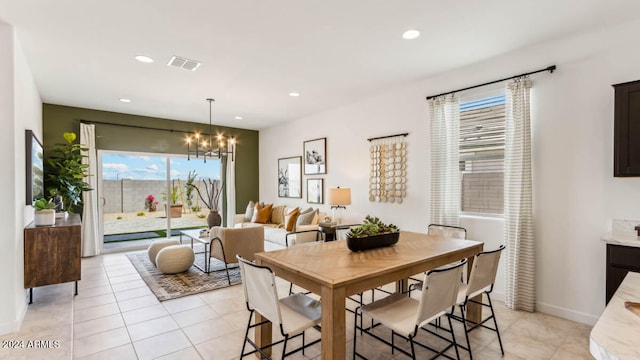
(518, 208)
(91, 239)
(444, 113)
(230, 190)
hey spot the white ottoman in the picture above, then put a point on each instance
(175, 259)
(158, 245)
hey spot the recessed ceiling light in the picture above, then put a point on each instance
(125, 100)
(238, 117)
(144, 59)
(294, 94)
(411, 34)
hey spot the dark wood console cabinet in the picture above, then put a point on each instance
(620, 260)
(626, 132)
(52, 253)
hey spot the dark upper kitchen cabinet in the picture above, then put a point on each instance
(626, 133)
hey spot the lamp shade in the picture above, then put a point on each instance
(340, 196)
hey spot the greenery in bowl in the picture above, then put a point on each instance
(372, 226)
(43, 204)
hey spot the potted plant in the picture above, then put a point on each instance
(150, 203)
(175, 208)
(210, 197)
(66, 173)
(373, 233)
(45, 213)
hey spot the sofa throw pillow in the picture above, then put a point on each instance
(277, 214)
(307, 218)
(254, 216)
(264, 214)
(306, 211)
(248, 213)
(291, 218)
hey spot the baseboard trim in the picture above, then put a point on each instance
(567, 313)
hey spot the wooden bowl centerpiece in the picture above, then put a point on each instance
(372, 234)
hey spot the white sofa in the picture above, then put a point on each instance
(279, 235)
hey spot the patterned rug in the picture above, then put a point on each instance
(192, 281)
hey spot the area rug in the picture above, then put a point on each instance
(193, 281)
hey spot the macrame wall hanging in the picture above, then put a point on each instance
(388, 169)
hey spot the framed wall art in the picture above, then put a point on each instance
(290, 177)
(35, 168)
(315, 191)
(315, 156)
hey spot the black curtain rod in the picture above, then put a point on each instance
(140, 127)
(388, 136)
(550, 69)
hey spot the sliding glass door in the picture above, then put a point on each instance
(145, 196)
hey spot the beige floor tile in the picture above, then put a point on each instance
(94, 291)
(123, 352)
(144, 314)
(184, 303)
(116, 267)
(194, 316)
(161, 345)
(207, 330)
(132, 293)
(138, 303)
(79, 304)
(124, 278)
(229, 306)
(189, 353)
(99, 342)
(129, 285)
(95, 312)
(121, 272)
(88, 284)
(224, 347)
(146, 329)
(98, 325)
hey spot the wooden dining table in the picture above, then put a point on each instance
(332, 271)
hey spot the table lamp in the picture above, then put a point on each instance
(338, 199)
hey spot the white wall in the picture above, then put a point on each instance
(20, 109)
(575, 194)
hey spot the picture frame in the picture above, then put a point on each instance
(315, 156)
(290, 177)
(34, 156)
(315, 191)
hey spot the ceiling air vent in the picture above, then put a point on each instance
(184, 63)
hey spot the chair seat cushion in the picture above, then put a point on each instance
(299, 312)
(175, 259)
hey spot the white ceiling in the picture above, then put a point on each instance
(254, 52)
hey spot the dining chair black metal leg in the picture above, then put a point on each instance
(453, 335)
(495, 322)
(466, 331)
(413, 349)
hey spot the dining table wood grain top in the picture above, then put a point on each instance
(334, 272)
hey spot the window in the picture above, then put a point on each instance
(482, 131)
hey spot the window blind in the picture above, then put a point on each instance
(482, 139)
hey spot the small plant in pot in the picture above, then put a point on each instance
(373, 233)
(174, 208)
(45, 213)
(210, 196)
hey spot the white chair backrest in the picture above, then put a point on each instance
(439, 291)
(260, 293)
(447, 231)
(483, 270)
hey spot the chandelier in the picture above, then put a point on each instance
(208, 146)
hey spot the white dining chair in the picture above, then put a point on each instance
(292, 315)
(481, 280)
(405, 315)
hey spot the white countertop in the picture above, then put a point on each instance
(616, 334)
(623, 233)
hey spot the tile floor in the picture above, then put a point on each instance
(115, 316)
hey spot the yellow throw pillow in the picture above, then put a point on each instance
(277, 214)
(291, 218)
(264, 214)
(257, 207)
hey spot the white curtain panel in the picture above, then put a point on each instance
(230, 192)
(91, 237)
(444, 114)
(518, 208)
